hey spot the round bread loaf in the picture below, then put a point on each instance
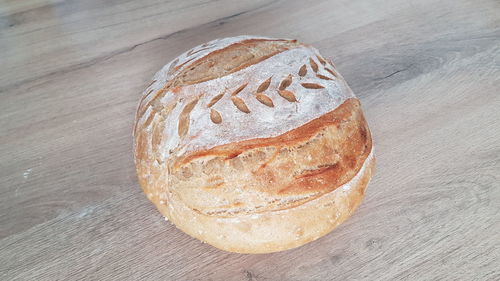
(252, 144)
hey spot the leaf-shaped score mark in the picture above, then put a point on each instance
(264, 99)
(239, 89)
(215, 99)
(312, 86)
(240, 104)
(264, 85)
(323, 77)
(303, 71)
(184, 118)
(331, 72)
(314, 65)
(286, 82)
(289, 96)
(321, 60)
(215, 116)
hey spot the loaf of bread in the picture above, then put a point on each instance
(252, 144)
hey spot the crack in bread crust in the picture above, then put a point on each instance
(280, 172)
(250, 233)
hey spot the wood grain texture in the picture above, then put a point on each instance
(427, 73)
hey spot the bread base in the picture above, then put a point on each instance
(274, 230)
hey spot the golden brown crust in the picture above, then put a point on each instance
(276, 230)
(283, 188)
(311, 206)
(350, 110)
(261, 175)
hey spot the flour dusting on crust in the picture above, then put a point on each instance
(263, 100)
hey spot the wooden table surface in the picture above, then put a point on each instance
(428, 76)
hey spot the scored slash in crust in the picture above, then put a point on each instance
(239, 89)
(314, 65)
(264, 99)
(321, 60)
(184, 118)
(215, 99)
(303, 71)
(264, 85)
(312, 86)
(286, 82)
(215, 116)
(240, 104)
(289, 96)
(323, 77)
(331, 72)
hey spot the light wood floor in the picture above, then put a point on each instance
(427, 73)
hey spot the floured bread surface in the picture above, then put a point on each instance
(248, 125)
